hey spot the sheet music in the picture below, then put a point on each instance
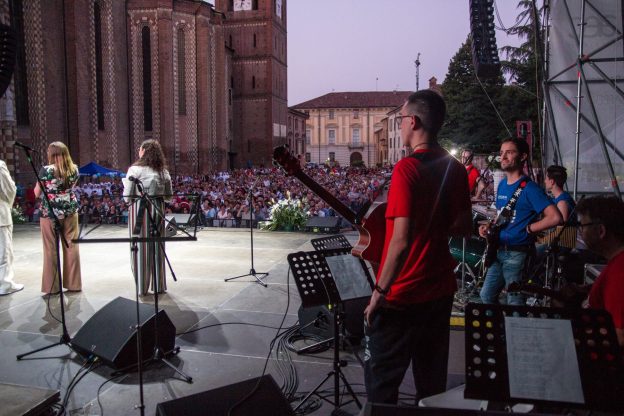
(542, 361)
(349, 276)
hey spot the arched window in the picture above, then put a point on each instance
(99, 83)
(147, 78)
(181, 74)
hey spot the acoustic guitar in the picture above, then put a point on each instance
(369, 222)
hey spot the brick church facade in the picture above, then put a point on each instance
(103, 75)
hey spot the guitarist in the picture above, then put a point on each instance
(517, 237)
(407, 319)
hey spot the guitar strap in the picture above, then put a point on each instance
(507, 210)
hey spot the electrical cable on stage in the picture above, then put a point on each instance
(100, 388)
(266, 362)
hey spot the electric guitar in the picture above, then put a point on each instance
(492, 238)
(369, 222)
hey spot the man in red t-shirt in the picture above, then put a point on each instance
(601, 224)
(407, 319)
(473, 173)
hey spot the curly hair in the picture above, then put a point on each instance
(153, 156)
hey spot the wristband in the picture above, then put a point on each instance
(383, 292)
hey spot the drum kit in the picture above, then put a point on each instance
(469, 254)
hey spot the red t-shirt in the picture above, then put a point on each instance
(608, 290)
(432, 194)
(473, 175)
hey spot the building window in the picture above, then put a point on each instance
(356, 113)
(147, 78)
(331, 114)
(254, 41)
(308, 157)
(230, 96)
(332, 156)
(181, 74)
(231, 82)
(230, 40)
(254, 5)
(99, 82)
(308, 137)
(253, 82)
(21, 83)
(331, 136)
(356, 136)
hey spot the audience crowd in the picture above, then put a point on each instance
(224, 197)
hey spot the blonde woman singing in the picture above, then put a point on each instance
(59, 178)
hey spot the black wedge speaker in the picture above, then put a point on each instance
(111, 333)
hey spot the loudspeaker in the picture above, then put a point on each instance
(267, 400)
(110, 334)
(171, 227)
(484, 50)
(324, 327)
(182, 219)
(323, 224)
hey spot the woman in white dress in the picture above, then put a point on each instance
(149, 172)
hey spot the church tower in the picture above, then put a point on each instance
(255, 30)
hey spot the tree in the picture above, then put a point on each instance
(471, 118)
(523, 66)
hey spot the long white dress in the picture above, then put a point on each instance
(150, 259)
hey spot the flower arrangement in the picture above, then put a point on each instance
(17, 215)
(287, 214)
(494, 161)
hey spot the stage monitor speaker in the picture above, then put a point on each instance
(182, 219)
(267, 400)
(353, 320)
(171, 227)
(110, 334)
(323, 224)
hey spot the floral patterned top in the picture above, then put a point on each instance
(62, 198)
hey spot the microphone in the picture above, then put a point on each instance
(23, 146)
(135, 180)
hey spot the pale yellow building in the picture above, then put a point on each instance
(342, 125)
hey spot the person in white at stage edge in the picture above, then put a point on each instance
(7, 195)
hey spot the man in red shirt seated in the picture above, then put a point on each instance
(601, 224)
(408, 317)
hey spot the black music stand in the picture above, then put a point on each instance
(317, 285)
(134, 240)
(491, 374)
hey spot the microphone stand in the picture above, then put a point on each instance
(65, 339)
(147, 204)
(252, 271)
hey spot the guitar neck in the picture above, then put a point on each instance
(333, 202)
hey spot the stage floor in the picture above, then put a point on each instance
(228, 351)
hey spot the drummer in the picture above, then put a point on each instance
(554, 181)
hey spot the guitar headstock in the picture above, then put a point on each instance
(285, 160)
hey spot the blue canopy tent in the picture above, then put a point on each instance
(93, 168)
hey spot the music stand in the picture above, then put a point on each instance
(318, 285)
(134, 240)
(529, 334)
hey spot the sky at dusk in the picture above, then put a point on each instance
(344, 45)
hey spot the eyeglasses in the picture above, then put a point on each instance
(399, 119)
(581, 225)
